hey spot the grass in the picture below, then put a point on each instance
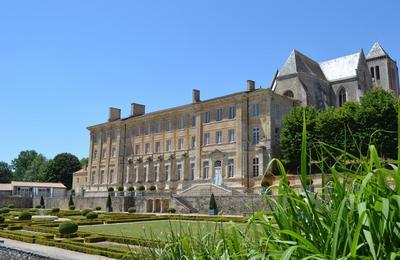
(154, 229)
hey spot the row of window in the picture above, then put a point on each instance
(112, 178)
(105, 135)
(104, 153)
(375, 73)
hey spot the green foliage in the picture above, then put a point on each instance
(72, 207)
(91, 215)
(68, 227)
(110, 189)
(85, 212)
(84, 162)
(4, 210)
(171, 210)
(5, 173)
(61, 168)
(108, 203)
(352, 127)
(38, 206)
(131, 188)
(141, 188)
(2, 219)
(120, 188)
(98, 208)
(132, 210)
(213, 203)
(25, 215)
(152, 188)
(55, 210)
(28, 166)
(11, 206)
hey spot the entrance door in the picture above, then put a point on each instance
(217, 173)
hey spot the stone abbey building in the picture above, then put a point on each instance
(222, 144)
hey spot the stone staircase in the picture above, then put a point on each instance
(205, 189)
(185, 206)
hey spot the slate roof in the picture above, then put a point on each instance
(298, 62)
(341, 68)
(376, 51)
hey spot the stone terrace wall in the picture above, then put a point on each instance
(119, 204)
(18, 202)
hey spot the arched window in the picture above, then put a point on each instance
(288, 93)
(342, 97)
(218, 163)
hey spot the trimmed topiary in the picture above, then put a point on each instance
(4, 210)
(152, 188)
(72, 207)
(67, 227)
(141, 188)
(11, 206)
(110, 189)
(92, 215)
(2, 219)
(212, 209)
(131, 188)
(38, 206)
(42, 206)
(108, 204)
(25, 215)
(85, 212)
(71, 201)
(171, 210)
(55, 210)
(132, 210)
(98, 208)
(120, 188)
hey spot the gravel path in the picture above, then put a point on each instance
(21, 251)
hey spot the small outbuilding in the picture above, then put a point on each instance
(32, 189)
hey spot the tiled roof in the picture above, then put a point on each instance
(5, 187)
(376, 51)
(37, 184)
(341, 68)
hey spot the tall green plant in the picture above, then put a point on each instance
(42, 202)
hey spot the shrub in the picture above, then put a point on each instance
(265, 182)
(110, 189)
(171, 210)
(38, 206)
(85, 212)
(42, 202)
(55, 210)
(11, 206)
(141, 188)
(120, 188)
(72, 207)
(98, 208)
(4, 210)
(108, 203)
(67, 227)
(71, 201)
(132, 210)
(2, 219)
(152, 188)
(91, 215)
(131, 188)
(25, 215)
(213, 203)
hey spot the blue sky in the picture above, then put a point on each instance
(63, 63)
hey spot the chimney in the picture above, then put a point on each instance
(196, 96)
(114, 114)
(250, 85)
(137, 109)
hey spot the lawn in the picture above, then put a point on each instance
(154, 229)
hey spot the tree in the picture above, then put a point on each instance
(290, 138)
(213, 203)
(71, 201)
(22, 163)
(108, 203)
(42, 202)
(84, 162)
(35, 171)
(5, 172)
(61, 168)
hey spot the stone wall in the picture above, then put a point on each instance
(19, 202)
(119, 204)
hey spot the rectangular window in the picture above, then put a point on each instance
(138, 131)
(231, 135)
(93, 180)
(255, 110)
(148, 129)
(158, 147)
(193, 142)
(158, 127)
(180, 143)
(256, 135)
(111, 176)
(102, 177)
(255, 167)
(219, 114)
(136, 174)
(96, 137)
(232, 112)
(193, 121)
(146, 173)
(206, 138)
(147, 148)
(114, 135)
(277, 135)
(95, 155)
(104, 136)
(218, 137)
(113, 152)
(231, 168)
(206, 168)
(179, 172)
(169, 125)
(167, 172)
(137, 149)
(128, 133)
(104, 154)
(377, 72)
(192, 171)
(372, 72)
(207, 117)
(156, 173)
(181, 123)
(168, 145)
